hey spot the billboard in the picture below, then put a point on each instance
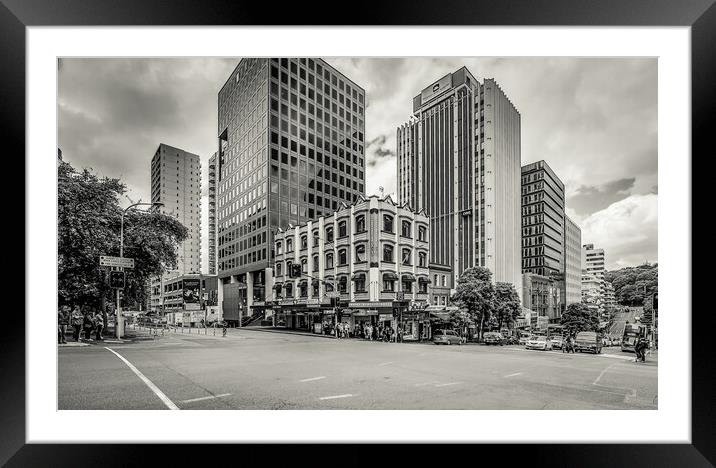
(191, 292)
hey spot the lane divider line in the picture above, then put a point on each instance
(313, 378)
(513, 375)
(333, 397)
(205, 398)
(446, 384)
(165, 399)
(385, 363)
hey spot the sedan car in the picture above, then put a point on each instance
(447, 337)
(493, 338)
(556, 341)
(539, 342)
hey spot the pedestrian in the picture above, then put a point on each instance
(88, 325)
(63, 319)
(99, 325)
(76, 322)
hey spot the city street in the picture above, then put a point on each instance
(254, 369)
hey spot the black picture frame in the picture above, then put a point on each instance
(700, 15)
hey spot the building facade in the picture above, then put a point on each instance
(542, 220)
(372, 255)
(572, 262)
(212, 213)
(593, 261)
(176, 182)
(542, 295)
(185, 298)
(291, 149)
(459, 161)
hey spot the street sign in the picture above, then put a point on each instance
(122, 262)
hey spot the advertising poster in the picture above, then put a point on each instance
(192, 288)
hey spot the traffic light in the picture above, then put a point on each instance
(295, 270)
(116, 279)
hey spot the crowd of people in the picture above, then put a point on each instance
(365, 331)
(83, 321)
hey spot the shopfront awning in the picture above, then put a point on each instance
(407, 277)
(389, 276)
(424, 279)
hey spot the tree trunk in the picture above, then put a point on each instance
(103, 308)
(482, 319)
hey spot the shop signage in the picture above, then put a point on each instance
(384, 317)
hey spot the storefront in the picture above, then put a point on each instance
(416, 326)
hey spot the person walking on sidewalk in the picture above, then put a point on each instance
(88, 325)
(99, 325)
(76, 322)
(63, 319)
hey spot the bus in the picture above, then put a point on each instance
(632, 332)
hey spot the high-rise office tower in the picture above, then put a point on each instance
(459, 160)
(291, 148)
(572, 262)
(212, 213)
(542, 221)
(176, 182)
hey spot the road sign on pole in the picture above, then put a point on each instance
(121, 262)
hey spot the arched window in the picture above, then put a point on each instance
(304, 265)
(279, 269)
(329, 234)
(304, 242)
(360, 223)
(406, 257)
(405, 229)
(422, 259)
(315, 263)
(343, 284)
(329, 260)
(388, 253)
(342, 257)
(360, 253)
(289, 245)
(315, 238)
(421, 233)
(342, 229)
(279, 248)
(289, 290)
(304, 289)
(387, 223)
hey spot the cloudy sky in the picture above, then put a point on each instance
(593, 120)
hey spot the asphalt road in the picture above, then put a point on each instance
(250, 369)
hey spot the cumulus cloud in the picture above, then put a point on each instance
(627, 231)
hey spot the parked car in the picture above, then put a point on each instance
(523, 338)
(493, 338)
(539, 342)
(588, 341)
(557, 341)
(447, 337)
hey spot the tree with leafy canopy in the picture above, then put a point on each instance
(507, 304)
(475, 293)
(89, 226)
(578, 317)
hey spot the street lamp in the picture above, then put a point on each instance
(119, 320)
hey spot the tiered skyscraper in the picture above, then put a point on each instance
(459, 160)
(291, 149)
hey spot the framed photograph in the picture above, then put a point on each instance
(442, 227)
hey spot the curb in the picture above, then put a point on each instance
(273, 330)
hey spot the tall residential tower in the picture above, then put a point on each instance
(572, 262)
(176, 182)
(459, 160)
(291, 149)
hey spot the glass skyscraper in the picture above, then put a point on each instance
(291, 149)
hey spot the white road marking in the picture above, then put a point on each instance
(513, 375)
(446, 384)
(386, 363)
(333, 397)
(601, 374)
(170, 404)
(205, 398)
(425, 383)
(313, 378)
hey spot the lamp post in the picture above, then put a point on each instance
(119, 320)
